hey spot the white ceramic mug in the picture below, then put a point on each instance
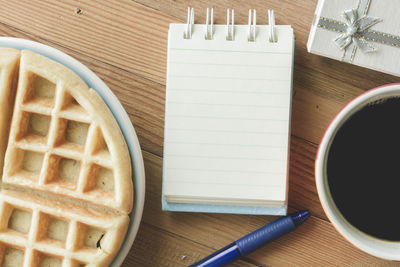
(378, 247)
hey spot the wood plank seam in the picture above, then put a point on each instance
(80, 53)
(246, 259)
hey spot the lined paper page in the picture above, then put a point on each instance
(227, 117)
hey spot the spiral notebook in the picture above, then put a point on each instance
(227, 118)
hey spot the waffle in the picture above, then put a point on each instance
(33, 233)
(9, 61)
(66, 184)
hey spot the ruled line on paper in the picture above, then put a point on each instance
(214, 57)
(230, 51)
(218, 157)
(225, 171)
(234, 111)
(224, 131)
(219, 104)
(222, 178)
(226, 118)
(231, 184)
(256, 85)
(219, 144)
(228, 78)
(236, 65)
(221, 98)
(229, 91)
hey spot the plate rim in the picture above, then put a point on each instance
(121, 116)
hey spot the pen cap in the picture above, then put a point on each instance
(265, 235)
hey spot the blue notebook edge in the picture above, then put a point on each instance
(250, 210)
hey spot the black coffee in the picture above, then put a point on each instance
(363, 169)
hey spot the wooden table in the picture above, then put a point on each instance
(125, 43)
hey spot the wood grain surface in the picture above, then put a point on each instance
(125, 43)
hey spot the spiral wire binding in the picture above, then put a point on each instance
(271, 22)
(230, 25)
(251, 33)
(189, 25)
(209, 28)
(230, 31)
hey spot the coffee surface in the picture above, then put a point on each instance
(363, 169)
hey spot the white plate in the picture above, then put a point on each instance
(93, 81)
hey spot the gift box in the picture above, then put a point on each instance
(360, 32)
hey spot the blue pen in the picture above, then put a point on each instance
(254, 240)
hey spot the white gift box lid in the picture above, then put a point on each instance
(329, 18)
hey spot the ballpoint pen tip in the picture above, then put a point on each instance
(300, 216)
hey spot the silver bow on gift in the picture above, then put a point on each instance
(355, 31)
(355, 28)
